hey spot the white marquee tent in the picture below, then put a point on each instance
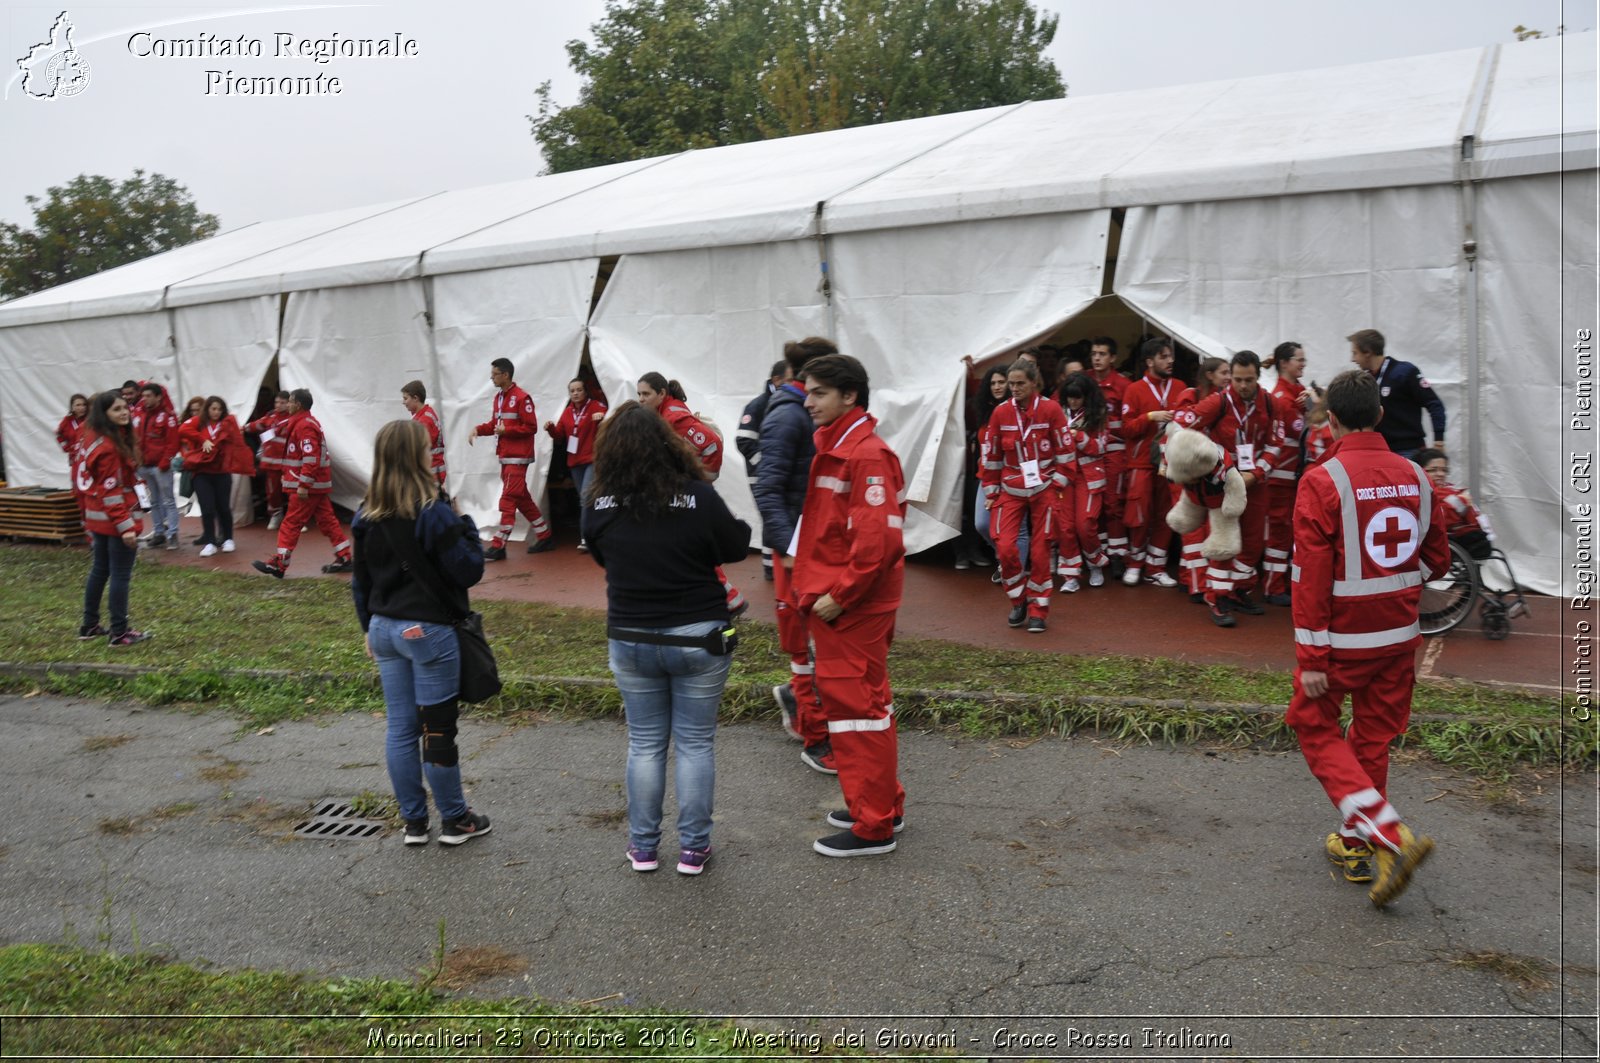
(1449, 200)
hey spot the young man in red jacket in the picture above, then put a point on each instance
(1291, 404)
(414, 396)
(1368, 533)
(273, 445)
(1114, 386)
(515, 428)
(1147, 409)
(158, 444)
(308, 480)
(849, 567)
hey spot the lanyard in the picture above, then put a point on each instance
(837, 443)
(213, 428)
(1241, 419)
(1160, 396)
(577, 417)
(1383, 371)
(1024, 427)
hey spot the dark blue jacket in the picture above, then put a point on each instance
(748, 436)
(380, 582)
(786, 453)
(1405, 393)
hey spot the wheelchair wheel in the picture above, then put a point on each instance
(1447, 600)
(1496, 621)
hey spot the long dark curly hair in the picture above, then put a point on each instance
(641, 462)
(1079, 386)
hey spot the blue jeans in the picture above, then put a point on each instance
(111, 561)
(422, 671)
(163, 503)
(670, 692)
(980, 520)
(580, 476)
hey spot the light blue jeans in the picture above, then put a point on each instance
(423, 671)
(980, 520)
(670, 692)
(163, 502)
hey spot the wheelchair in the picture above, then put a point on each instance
(1479, 575)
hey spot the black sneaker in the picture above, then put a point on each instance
(93, 632)
(1018, 615)
(1036, 625)
(848, 843)
(820, 757)
(841, 818)
(1220, 614)
(790, 708)
(1279, 599)
(1197, 597)
(1242, 603)
(268, 567)
(539, 546)
(416, 832)
(343, 564)
(156, 540)
(494, 553)
(463, 828)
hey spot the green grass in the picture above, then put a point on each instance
(147, 1007)
(271, 651)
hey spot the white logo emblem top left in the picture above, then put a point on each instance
(1391, 536)
(54, 69)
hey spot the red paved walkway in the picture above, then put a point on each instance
(965, 607)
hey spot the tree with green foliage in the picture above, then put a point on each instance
(667, 75)
(93, 223)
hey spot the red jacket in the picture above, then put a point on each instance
(513, 408)
(1318, 439)
(1091, 452)
(852, 525)
(229, 454)
(1115, 388)
(1292, 430)
(1461, 516)
(430, 421)
(104, 483)
(1016, 435)
(158, 437)
(67, 433)
(1234, 424)
(309, 464)
(1356, 588)
(705, 442)
(578, 423)
(272, 449)
(1144, 396)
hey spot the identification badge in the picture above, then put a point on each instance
(1030, 473)
(143, 496)
(269, 435)
(1246, 453)
(572, 444)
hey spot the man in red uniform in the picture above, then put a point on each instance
(308, 480)
(1114, 536)
(1147, 409)
(1291, 402)
(1240, 420)
(515, 428)
(415, 397)
(1368, 533)
(274, 444)
(849, 568)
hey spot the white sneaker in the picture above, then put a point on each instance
(1130, 578)
(1161, 579)
(208, 550)
(227, 547)
(1070, 586)
(275, 520)
(1097, 578)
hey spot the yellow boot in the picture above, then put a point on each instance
(1396, 868)
(1356, 860)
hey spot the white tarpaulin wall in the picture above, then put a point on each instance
(1526, 351)
(910, 303)
(45, 364)
(714, 320)
(354, 348)
(532, 315)
(225, 349)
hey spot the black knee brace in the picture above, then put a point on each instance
(439, 733)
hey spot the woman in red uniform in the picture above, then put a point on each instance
(574, 430)
(71, 426)
(103, 473)
(213, 450)
(1080, 512)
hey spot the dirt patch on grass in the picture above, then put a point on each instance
(477, 963)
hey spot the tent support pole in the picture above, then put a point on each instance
(825, 282)
(1471, 122)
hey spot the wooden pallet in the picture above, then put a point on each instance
(50, 514)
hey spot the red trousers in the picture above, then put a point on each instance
(1280, 534)
(514, 499)
(1078, 524)
(852, 656)
(795, 640)
(1149, 498)
(304, 510)
(272, 480)
(1352, 764)
(1252, 536)
(1113, 531)
(1006, 520)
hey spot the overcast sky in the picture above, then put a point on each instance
(453, 114)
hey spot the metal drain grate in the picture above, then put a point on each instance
(337, 820)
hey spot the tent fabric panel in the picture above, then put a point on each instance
(533, 315)
(1536, 257)
(910, 303)
(1541, 112)
(715, 320)
(225, 349)
(354, 348)
(44, 364)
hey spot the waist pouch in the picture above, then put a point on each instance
(718, 643)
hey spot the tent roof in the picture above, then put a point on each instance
(1530, 107)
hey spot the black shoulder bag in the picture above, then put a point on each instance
(480, 675)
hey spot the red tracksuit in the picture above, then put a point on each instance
(708, 446)
(1082, 501)
(1281, 482)
(430, 421)
(273, 445)
(67, 433)
(1148, 497)
(513, 408)
(309, 465)
(104, 483)
(1248, 431)
(851, 549)
(1022, 480)
(1368, 531)
(1114, 531)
